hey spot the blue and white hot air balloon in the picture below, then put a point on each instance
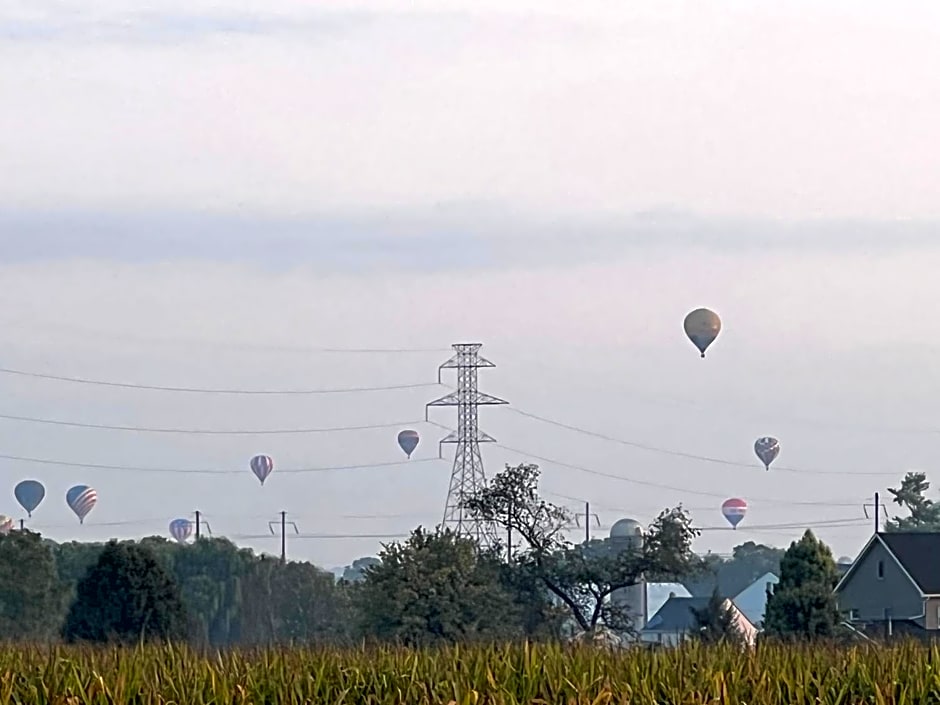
(262, 466)
(29, 493)
(181, 529)
(408, 440)
(81, 500)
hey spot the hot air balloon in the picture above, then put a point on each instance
(181, 529)
(262, 466)
(29, 493)
(702, 326)
(408, 440)
(734, 510)
(767, 449)
(6, 524)
(81, 499)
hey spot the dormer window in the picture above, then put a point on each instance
(881, 570)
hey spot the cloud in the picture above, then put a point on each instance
(750, 111)
(450, 237)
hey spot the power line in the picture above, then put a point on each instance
(203, 390)
(207, 432)
(684, 454)
(208, 471)
(661, 486)
(655, 485)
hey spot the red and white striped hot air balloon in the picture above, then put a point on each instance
(81, 500)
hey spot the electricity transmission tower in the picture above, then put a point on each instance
(467, 476)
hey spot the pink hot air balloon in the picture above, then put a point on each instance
(262, 466)
(734, 510)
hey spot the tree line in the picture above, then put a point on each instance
(435, 587)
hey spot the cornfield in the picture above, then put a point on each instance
(499, 674)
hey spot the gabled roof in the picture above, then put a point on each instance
(657, 594)
(915, 552)
(919, 554)
(676, 615)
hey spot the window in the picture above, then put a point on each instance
(881, 570)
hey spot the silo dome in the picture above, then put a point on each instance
(626, 528)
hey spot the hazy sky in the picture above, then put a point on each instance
(210, 195)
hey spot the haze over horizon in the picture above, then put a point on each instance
(212, 195)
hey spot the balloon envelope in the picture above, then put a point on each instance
(181, 529)
(408, 440)
(702, 326)
(29, 493)
(767, 449)
(6, 524)
(262, 466)
(81, 499)
(734, 510)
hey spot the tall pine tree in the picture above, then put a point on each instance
(802, 605)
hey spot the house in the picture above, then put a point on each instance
(752, 600)
(674, 621)
(893, 586)
(658, 593)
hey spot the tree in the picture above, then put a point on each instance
(581, 577)
(802, 605)
(436, 588)
(357, 571)
(211, 573)
(715, 623)
(126, 596)
(31, 596)
(924, 513)
(749, 561)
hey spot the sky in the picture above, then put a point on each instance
(309, 198)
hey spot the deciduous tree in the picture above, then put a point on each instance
(126, 596)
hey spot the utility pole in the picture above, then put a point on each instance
(467, 477)
(283, 526)
(201, 524)
(878, 507)
(587, 521)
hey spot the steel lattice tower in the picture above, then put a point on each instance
(468, 476)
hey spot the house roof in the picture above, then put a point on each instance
(917, 553)
(676, 615)
(914, 552)
(657, 594)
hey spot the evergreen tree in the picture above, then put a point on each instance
(924, 513)
(126, 596)
(715, 622)
(802, 605)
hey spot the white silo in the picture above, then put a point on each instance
(625, 535)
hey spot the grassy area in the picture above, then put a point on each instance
(510, 674)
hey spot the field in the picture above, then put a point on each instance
(510, 674)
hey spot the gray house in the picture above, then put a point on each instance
(893, 586)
